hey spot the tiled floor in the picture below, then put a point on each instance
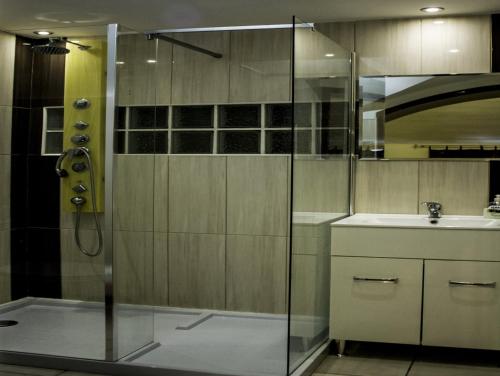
(363, 359)
(9, 370)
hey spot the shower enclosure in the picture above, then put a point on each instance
(221, 156)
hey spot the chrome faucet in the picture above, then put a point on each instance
(434, 209)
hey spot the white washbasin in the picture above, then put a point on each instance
(419, 221)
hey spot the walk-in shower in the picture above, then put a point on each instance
(201, 170)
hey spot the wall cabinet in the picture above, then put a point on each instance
(389, 47)
(426, 46)
(456, 45)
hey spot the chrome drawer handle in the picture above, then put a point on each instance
(382, 280)
(476, 284)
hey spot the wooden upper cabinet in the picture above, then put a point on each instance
(198, 78)
(391, 47)
(260, 66)
(143, 71)
(456, 45)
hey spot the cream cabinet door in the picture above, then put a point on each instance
(376, 299)
(456, 45)
(462, 304)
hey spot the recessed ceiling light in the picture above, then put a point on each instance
(120, 62)
(432, 9)
(43, 32)
(151, 61)
(454, 51)
(329, 55)
(438, 22)
(74, 41)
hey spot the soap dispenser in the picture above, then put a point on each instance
(493, 210)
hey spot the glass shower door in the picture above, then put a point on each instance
(321, 178)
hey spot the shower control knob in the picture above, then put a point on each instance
(78, 200)
(79, 167)
(80, 139)
(81, 103)
(79, 188)
(81, 125)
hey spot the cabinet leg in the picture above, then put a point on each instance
(341, 347)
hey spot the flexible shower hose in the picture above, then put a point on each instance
(94, 210)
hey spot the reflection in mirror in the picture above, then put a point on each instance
(420, 117)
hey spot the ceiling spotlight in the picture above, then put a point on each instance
(74, 41)
(43, 32)
(438, 22)
(454, 51)
(329, 55)
(151, 61)
(120, 62)
(432, 9)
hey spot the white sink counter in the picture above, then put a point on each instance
(419, 221)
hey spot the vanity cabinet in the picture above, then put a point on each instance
(376, 298)
(457, 313)
(416, 283)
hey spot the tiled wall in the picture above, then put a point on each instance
(201, 231)
(7, 46)
(400, 186)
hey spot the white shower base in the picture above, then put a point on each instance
(211, 341)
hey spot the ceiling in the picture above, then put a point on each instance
(77, 18)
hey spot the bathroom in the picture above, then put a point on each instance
(179, 198)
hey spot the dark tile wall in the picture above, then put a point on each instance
(35, 246)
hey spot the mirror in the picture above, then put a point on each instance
(420, 117)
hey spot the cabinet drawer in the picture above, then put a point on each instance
(462, 304)
(376, 299)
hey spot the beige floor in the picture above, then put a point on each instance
(8, 370)
(362, 359)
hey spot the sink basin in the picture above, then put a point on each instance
(419, 221)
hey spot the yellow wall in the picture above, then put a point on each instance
(85, 78)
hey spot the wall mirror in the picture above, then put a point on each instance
(420, 117)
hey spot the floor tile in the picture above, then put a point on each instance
(8, 369)
(442, 369)
(369, 360)
(71, 373)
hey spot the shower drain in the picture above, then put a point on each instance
(8, 323)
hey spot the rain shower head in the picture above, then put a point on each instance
(50, 48)
(55, 47)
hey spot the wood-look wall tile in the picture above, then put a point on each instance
(5, 266)
(341, 33)
(256, 273)
(140, 82)
(4, 192)
(257, 195)
(133, 266)
(321, 186)
(260, 66)
(133, 190)
(161, 193)
(7, 58)
(387, 187)
(82, 276)
(199, 78)
(458, 45)
(5, 129)
(389, 47)
(161, 274)
(197, 270)
(197, 194)
(460, 186)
